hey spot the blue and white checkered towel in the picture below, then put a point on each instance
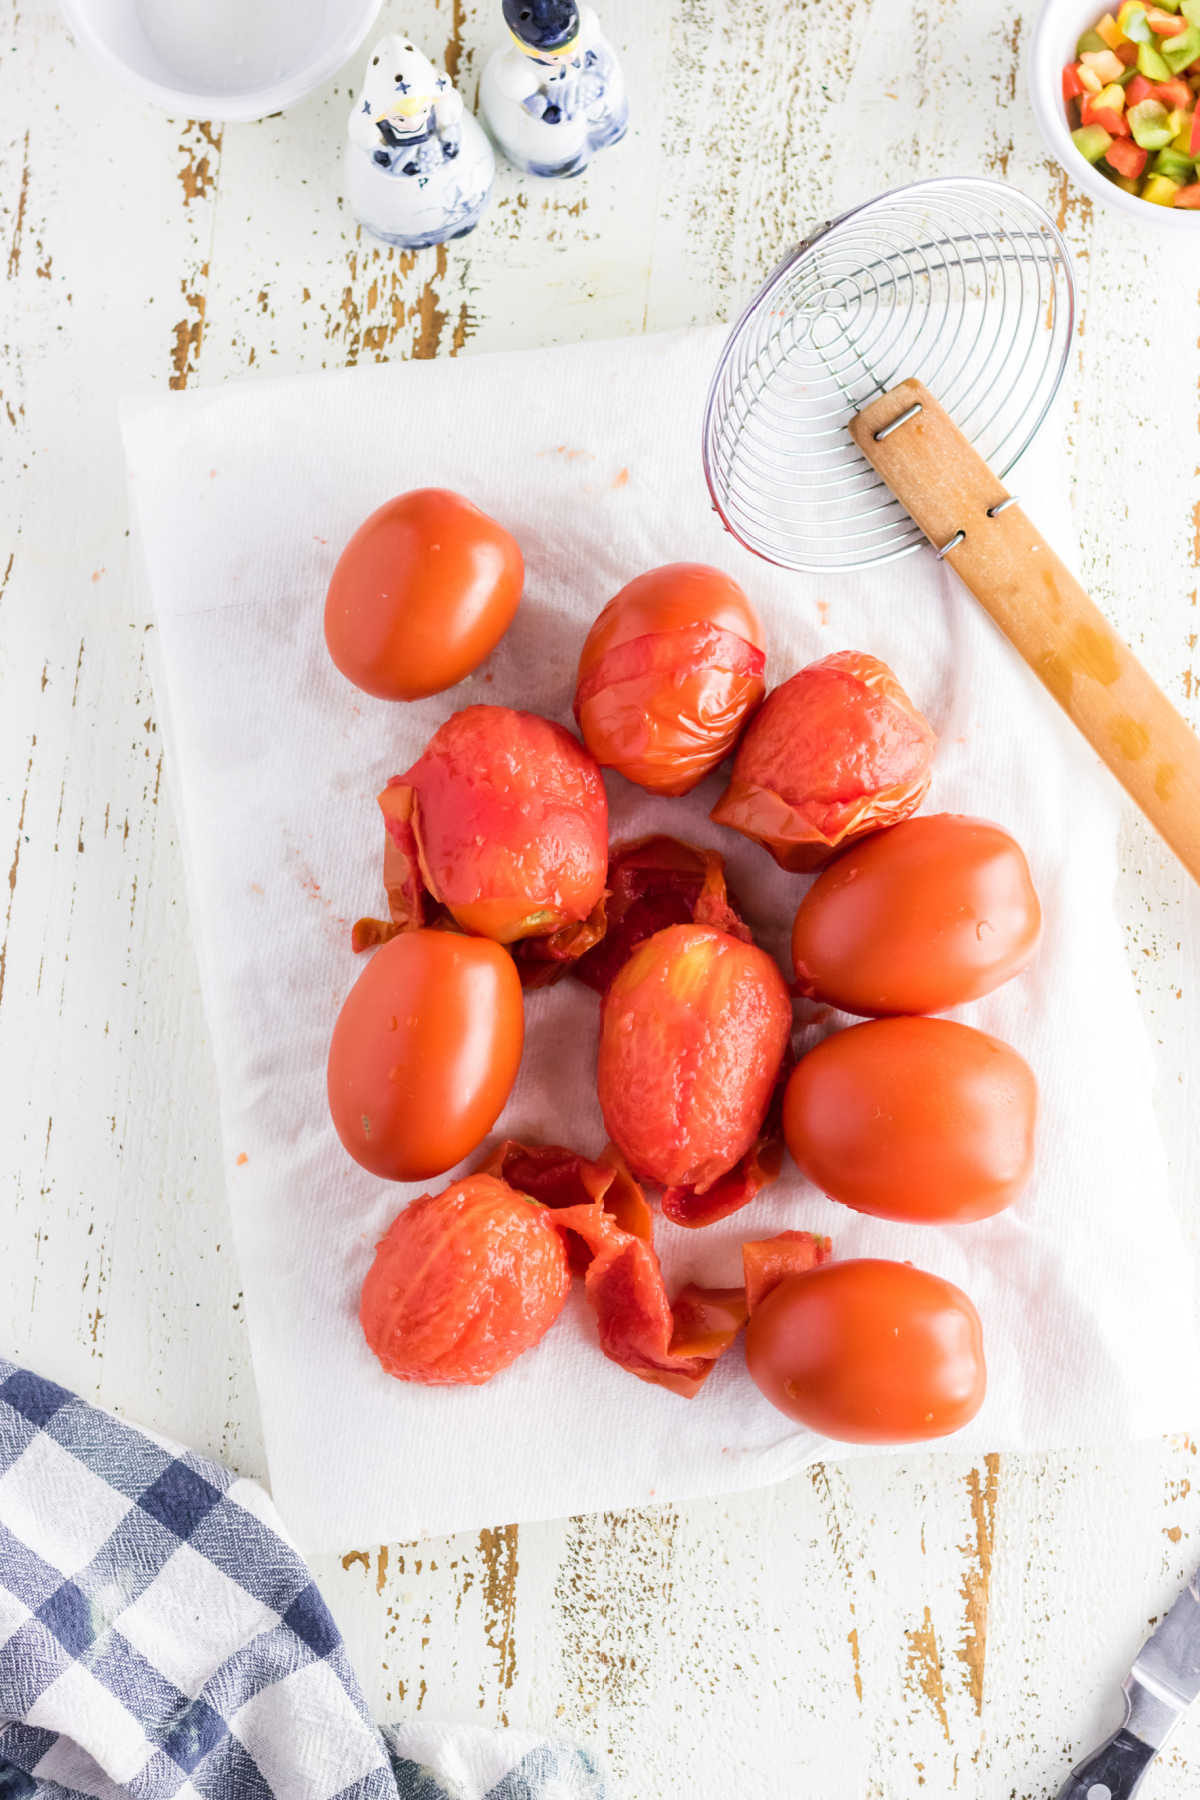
(160, 1639)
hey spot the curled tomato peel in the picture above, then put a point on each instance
(768, 1261)
(602, 1212)
(654, 882)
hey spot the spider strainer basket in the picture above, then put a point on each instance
(962, 283)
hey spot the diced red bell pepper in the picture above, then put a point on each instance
(1139, 89)
(1173, 93)
(1165, 24)
(1071, 84)
(1194, 139)
(1126, 157)
(1126, 55)
(1189, 196)
(1114, 123)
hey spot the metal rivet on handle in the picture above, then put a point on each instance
(887, 430)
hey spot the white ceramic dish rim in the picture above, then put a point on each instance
(234, 107)
(1059, 25)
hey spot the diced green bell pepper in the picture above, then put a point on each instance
(1167, 5)
(1150, 63)
(1191, 11)
(1178, 52)
(1091, 40)
(1174, 165)
(1150, 123)
(1091, 141)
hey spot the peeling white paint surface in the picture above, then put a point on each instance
(867, 1632)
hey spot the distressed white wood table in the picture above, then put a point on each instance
(934, 1625)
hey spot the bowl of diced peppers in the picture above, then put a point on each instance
(1130, 99)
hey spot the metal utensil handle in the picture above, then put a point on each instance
(1039, 606)
(1112, 1772)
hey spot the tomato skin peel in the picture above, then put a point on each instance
(693, 1034)
(603, 1214)
(836, 752)
(669, 674)
(652, 883)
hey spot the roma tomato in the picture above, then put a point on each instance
(837, 751)
(509, 822)
(463, 1283)
(921, 1119)
(918, 918)
(693, 1032)
(869, 1352)
(424, 1053)
(424, 590)
(669, 673)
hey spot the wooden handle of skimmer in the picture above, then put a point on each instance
(1039, 606)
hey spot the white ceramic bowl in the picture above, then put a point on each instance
(1060, 25)
(222, 59)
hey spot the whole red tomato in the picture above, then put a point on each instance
(510, 822)
(463, 1283)
(921, 917)
(920, 1119)
(424, 1053)
(693, 1032)
(837, 751)
(869, 1352)
(669, 673)
(424, 590)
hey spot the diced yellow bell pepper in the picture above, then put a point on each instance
(1176, 119)
(1126, 182)
(1159, 190)
(1133, 11)
(1113, 95)
(1184, 140)
(1090, 79)
(1111, 32)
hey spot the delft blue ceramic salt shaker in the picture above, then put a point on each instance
(553, 96)
(418, 166)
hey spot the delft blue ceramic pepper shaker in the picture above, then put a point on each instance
(418, 167)
(553, 96)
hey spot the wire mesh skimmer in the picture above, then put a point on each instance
(963, 283)
(873, 396)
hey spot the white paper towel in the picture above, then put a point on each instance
(244, 497)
